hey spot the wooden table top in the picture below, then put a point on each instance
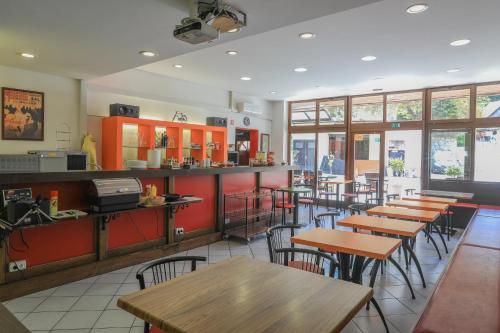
(337, 181)
(247, 295)
(432, 206)
(404, 213)
(380, 224)
(9, 323)
(424, 198)
(331, 240)
(448, 194)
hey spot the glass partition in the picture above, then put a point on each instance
(302, 149)
(487, 155)
(450, 154)
(405, 107)
(450, 104)
(368, 109)
(303, 113)
(488, 101)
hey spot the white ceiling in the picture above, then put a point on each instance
(89, 38)
(413, 51)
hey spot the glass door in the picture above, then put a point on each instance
(367, 164)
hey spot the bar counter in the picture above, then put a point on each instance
(74, 249)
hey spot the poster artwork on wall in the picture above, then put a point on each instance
(22, 114)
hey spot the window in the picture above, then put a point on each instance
(488, 101)
(331, 154)
(450, 104)
(450, 151)
(332, 112)
(368, 109)
(487, 155)
(302, 150)
(404, 107)
(303, 113)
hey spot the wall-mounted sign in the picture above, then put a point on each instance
(395, 125)
(22, 114)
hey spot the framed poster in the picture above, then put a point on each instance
(264, 143)
(22, 114)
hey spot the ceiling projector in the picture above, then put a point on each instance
(207, 20)
(195, 31)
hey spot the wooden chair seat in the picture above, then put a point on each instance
(306, 201)
(306, 266)
(350, 195)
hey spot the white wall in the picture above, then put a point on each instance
(159, 97)
(62, 105)
(279, 135)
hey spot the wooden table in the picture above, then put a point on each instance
(431, 206)
(247, 295)
(347, 244)
(404, 229)
(424, 198)
(413, 215)
(9, 323)
(448, 194)
(337, 183)
(296, 191)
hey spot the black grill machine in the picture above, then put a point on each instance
(114, 194)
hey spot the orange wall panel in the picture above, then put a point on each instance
(201, 215)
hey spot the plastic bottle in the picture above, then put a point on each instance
(54, 201)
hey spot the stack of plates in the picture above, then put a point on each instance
(136, 164)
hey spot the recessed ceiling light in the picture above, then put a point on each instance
(369, 58)
(307, 35)
(232, 53)
(148, 53)
(177, 66)
(27, 55)
(378, 89)
(300, 69)
(273, 92)
(417, 8)
(234, 30)
(460, 42)
(245, 78)
(453, 70)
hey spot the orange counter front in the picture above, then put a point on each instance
(89, 246)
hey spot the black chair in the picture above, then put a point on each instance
(372, 202)
(356, 208)
(410, 191)
(275, 239)
(307, 199)
(309, 260)
(321, 220)
(352, 196)
(391, 197)
(163, 270)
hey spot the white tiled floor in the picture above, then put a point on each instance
(90, 305)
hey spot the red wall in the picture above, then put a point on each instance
(274, 180)
(140, 226)
(198, 215)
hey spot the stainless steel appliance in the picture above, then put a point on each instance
(114, 194)
(19, 163)
(51, 161)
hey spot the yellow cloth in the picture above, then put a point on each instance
(89, 147)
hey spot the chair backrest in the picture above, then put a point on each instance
(321, 220)
(165, 269)
(372, 202)
(276, 237)
(309, 260)
(356, 208)
(391, 197)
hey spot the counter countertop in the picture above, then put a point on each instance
(44, 177)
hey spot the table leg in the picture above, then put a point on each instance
(344, 259)
(440, 236)
(433, 242)
(395, 263)
(337, 190)
(412, 255)
(357, 270)
(296, 208)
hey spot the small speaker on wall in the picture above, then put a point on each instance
(123, 110)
